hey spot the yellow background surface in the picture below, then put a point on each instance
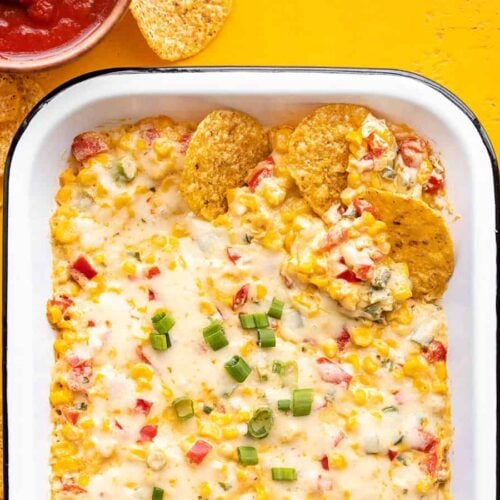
(455, 42)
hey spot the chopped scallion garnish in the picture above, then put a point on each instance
(247, 321)
(278, 367)
(283, 474)
(261, 320)
(163, 322)
(284, 404)
(158, 342)
(238, 368)
(247, 455)
(183, 407)
(302, 402)
(276, 309)
(214, 336)
(157, 493)
(260, 424)
(207, 409)
(267, 338)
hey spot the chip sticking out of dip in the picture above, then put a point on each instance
(225, 146)
(176, 29)
(18, 94)
(319, 153)
(418, 236)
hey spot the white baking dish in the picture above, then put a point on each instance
(272, 95)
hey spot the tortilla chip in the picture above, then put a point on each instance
(18, 95)
(225, 146)
(319, 153)
(176, 29)
(418, 236)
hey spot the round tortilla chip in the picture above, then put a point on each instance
(10, 98)
(319, 153)
(225, 146)
(418, 236)
(176, 29)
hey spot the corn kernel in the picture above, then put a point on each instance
(376, 228)
(64, 233)
(141, 370)
(126, 142)
(67, 177)
(362, 336)
(439, 387)
(369, 365)
(61, 346)
(243, 416)
(375, 180)
(54, 314)
(71, 432)
(64, 194)
(353, 359)
(272, 241)
(440, 367)
(230, 433)
(329, 348)
(61, 397)
(205, 489)
(401, 292)
(163, 147)
(122, 200)
(424, 485)
(242, 475)
(86, 423)
(337, 461)
(359, 396)
(351, 423)
(414, 366)
(159, 240)
(261, 493)
(180, 230)
(207, 308)
(353, 180)
(209, 430)
(87, 177)
(83, 480)
(64, 449)
(138, 453)
(129, 268)
(67, 465)
(261, 291)
(382, 347)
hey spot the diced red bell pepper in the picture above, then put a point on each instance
(82, 271)
(71, 416)
(149, 134)
(343, 339)
(362, 205)
(435, 352)
(413, 150)
(147, 433)
(392, 454)
(332, 239)
(151, 295)
(198, 452)
(288, 281)
(62, 302)
(90, 323)
(232, 255)
(152, 272)
(87, 145)
(73, 488)
(184, 142)
(364, 272)
(427, 441)
(324, 462)
(240, 297)
(434, 184)
(143, 406)
(332, 373)
(79, 378)
(349, 276)
(141, 355)
(261, 171)
(430, 463)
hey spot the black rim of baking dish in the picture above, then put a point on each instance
(224, 69)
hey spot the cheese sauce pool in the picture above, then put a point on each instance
(126, 249)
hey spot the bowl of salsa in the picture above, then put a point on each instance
(38, 34)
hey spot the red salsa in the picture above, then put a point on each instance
(28, 26)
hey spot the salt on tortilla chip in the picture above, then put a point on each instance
(18, 95)
(418, 236)
(225, 146)
(176, 29)
(319, 153)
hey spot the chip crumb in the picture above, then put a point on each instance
(225, 146)
(319, 153)
(177, 29)
(418, 236)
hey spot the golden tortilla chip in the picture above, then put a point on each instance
(18, 95)
(418, 236)
(319, 153)
(225, 146)
(176, 29)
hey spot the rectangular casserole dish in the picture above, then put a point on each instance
(272, 95)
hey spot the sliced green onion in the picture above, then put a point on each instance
(238, 368)
(125, 172)
(290, 373)
(261, 320)
(158, 342)
(247, 321)
(157, 493)
(183, 407)
(278, 367)
(260, 424)
(276, 309)
(214, 336)
(284, 404)
(302, 402)
(163, 322)
(207, 409)
(267, 338)
(247, 455)
(283, 474)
